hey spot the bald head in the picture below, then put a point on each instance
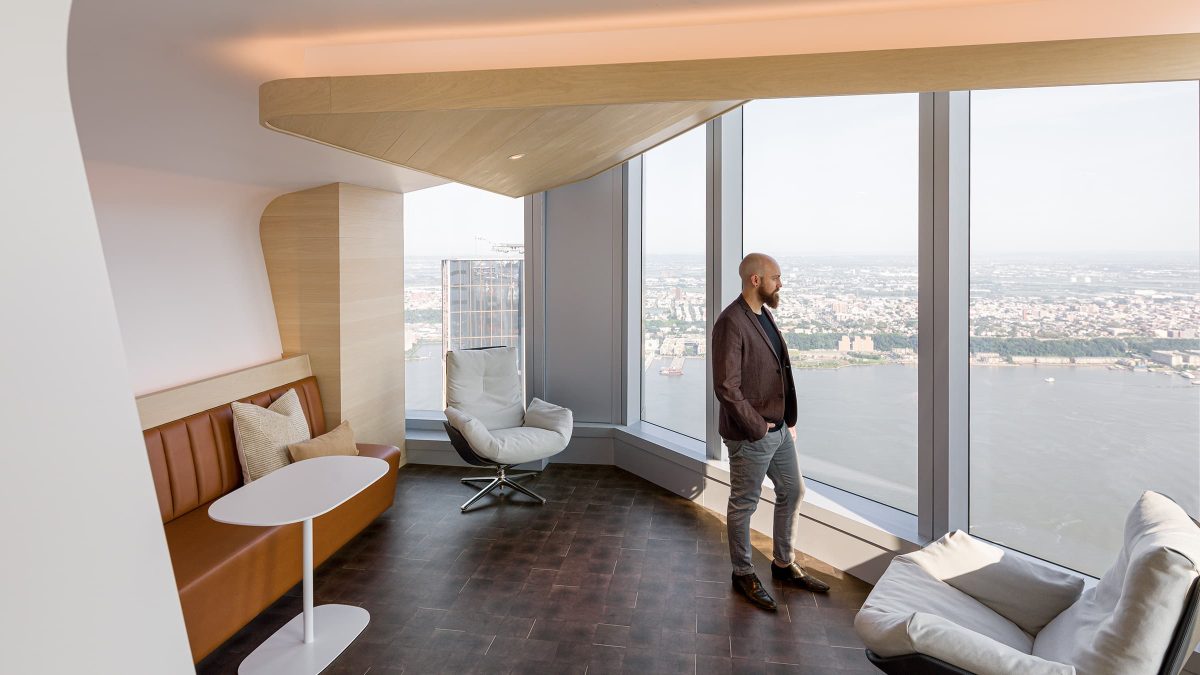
(761, 280)
(757, 264)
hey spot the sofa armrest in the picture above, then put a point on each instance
(388, 453)
(1027, 593)
(945, 640)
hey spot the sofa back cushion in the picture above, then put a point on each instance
(1124, 624)
(194, 460)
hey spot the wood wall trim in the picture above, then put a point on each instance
(176, 403)
(577, 121)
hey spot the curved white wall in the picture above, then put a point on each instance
(85, 579)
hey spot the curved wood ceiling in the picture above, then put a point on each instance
(570, 123)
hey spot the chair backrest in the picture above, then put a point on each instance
(486, 384)
(1131, 621)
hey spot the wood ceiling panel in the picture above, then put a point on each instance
(370, 134)
(574, 122)
(560, 144)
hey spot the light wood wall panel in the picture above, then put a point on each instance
(577, 121)
(335, 259)
(176, 403)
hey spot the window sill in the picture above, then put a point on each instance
(863, 518)
(683, 450)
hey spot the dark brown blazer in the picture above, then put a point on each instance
(751, 384)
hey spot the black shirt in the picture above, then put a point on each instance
(773, 336)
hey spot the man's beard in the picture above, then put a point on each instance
(771, 300)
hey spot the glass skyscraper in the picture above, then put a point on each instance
(481, 303)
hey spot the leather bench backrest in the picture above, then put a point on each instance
(194, 460)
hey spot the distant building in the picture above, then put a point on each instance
(1182, 334)
(481, 303)
(1166, 358)
(850, 343)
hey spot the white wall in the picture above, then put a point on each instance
(187, 273)
(180, 171)
(85, 578)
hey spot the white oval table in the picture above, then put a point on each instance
(297, 493)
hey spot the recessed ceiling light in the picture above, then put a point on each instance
(519, 155)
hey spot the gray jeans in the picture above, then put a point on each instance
(773, 456)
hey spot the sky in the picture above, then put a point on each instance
(1081, 170)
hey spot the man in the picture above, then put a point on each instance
(752, 375)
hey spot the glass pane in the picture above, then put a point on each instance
(1085, 281)
(830, 191)
(463, 258)
(674, 372)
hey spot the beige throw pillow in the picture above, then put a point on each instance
(340, 441)
(263, 434)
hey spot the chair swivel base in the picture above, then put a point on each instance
(501, 480)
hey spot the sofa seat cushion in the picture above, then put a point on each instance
(227, 574)
(200, 545)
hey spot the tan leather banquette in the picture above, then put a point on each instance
(227, 574)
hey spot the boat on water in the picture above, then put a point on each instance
(1048, 379)
(673, 370)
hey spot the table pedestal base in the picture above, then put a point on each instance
(285, 652)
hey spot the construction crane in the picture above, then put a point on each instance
(502, 248)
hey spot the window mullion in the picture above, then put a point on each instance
(724, 241)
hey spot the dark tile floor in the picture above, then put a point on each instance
(612, 574)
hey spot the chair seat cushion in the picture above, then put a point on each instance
(523, 444)
(515, 445)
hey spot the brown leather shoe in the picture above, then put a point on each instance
(749, 586)
(794, 575)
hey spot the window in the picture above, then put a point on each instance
(674, 363)
(1085, 281)
(830, 190)
(463, 259)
